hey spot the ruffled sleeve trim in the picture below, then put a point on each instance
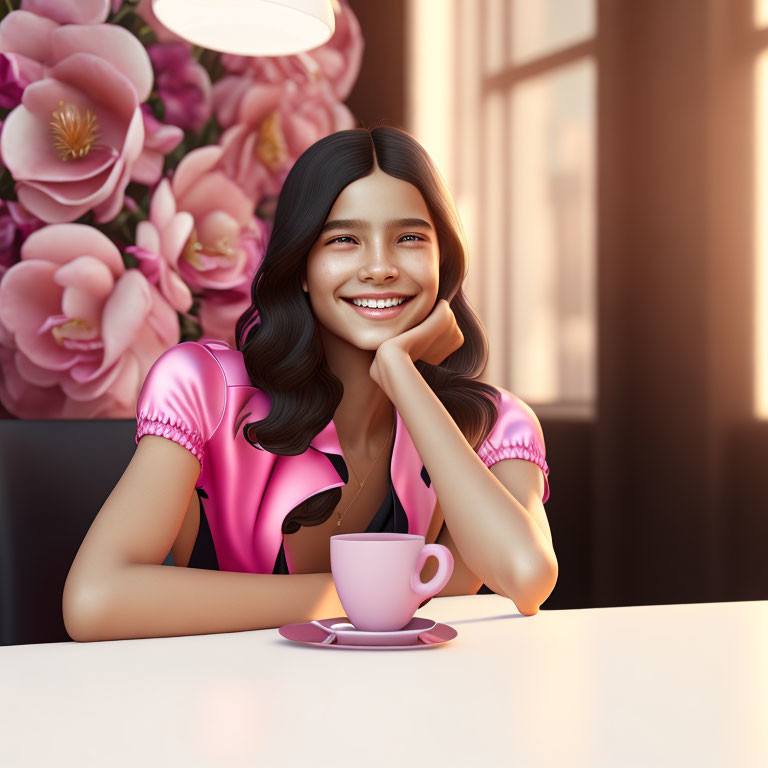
(172, 428)
(516, 449)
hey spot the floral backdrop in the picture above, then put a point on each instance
(138, 179)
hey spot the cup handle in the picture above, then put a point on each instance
(444, 570)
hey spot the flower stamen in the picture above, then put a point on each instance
(271, 147)
(206, 257)
(73, 133)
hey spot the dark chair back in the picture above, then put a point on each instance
(54, 478)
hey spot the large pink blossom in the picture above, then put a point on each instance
(183, 85)
(34, 44)
(338, 60)
(101, 135)
(275, 124)
(78, 332)
(214, 256)
(220, 310)
(225, 243)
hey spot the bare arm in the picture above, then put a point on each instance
(525, 481)
(508, 546)
(117, 587)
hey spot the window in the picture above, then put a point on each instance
(760, 39)
(502, 95)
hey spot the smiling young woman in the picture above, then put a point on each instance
(332, 416)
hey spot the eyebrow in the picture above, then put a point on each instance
(362, 224)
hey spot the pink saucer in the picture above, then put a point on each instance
(418, 633)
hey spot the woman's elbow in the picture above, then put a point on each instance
(529, 593)
(82, 610)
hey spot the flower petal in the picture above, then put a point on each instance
(46, 208)
(62, 243)
(175, 235)
(162, 207)
(125, 312)
(112, 43)
(147, 236)
(70, 11)
(192, 166)
(34, 374)
(26, 33)
(28, 295)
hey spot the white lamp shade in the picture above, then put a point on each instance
(249, 27)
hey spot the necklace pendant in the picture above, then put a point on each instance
(338, 523)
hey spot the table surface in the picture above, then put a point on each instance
(670, 685)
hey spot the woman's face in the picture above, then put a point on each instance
(379, 241)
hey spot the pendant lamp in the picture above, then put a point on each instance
(249, 27)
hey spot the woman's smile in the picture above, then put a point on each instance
(376, 309)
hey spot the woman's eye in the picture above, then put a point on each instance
(344, 239)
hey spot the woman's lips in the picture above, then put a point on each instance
(378, 314)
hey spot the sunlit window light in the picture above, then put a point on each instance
(761, 237)
(761, 13)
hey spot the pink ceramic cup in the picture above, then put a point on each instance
(377, 577)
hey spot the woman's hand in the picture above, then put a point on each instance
(432, 340)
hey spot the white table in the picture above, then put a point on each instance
(678, 685)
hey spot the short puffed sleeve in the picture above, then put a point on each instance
(516, 434)
(183, 397)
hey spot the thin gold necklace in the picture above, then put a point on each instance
(376, 461)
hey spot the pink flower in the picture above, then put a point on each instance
(182, 84)
(78, 332)
(159, 140)
(338, 60)
(159, 243)
(275, 124)
(70, 11)
(216, 256)
(225, 242)
(16, 224)
(220, 310)
(72, 142)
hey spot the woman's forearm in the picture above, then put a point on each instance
(503, 546)
(160, 601)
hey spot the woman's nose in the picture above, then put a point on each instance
(377, 263)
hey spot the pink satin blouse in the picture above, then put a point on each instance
(200, 396)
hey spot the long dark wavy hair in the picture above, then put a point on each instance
(278, 334)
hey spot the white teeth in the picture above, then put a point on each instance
(379, 304)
